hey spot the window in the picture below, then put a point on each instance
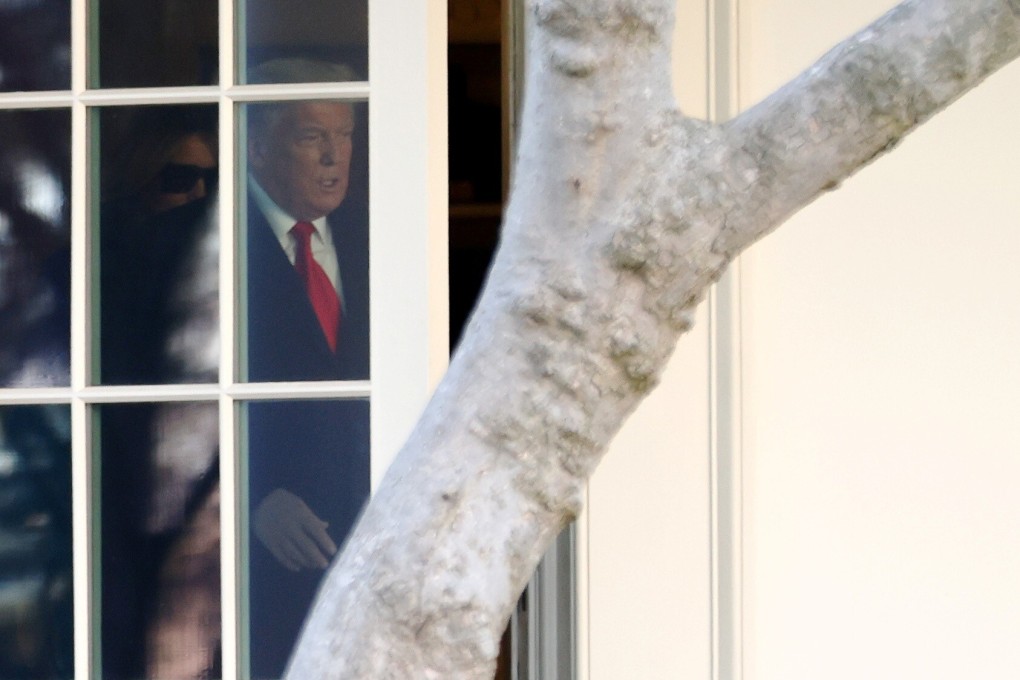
(144, 399)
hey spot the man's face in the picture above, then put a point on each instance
(303, 159)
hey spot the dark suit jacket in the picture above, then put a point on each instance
(284, 339)
(316, 449)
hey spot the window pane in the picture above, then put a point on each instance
(36, 608)
(158, 252)
(157, 43)
(159, 519)
(34, 248)
(329, 30)
(308, 476)
(35, 39)
(307, 313)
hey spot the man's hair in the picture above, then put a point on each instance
(298, 70)
(290, 70)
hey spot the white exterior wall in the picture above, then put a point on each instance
(876, 430)
(882, 394)
(644, 548)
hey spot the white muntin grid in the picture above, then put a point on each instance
(408, 269)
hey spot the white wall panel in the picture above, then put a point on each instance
(881, 390)
(644, 550)
(648, 556)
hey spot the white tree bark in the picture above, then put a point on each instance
(623, 212)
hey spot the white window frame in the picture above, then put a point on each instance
(406, 92)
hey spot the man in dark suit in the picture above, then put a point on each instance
(307, 312)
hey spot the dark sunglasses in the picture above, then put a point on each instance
(176, 178)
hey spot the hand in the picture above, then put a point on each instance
(292, 532)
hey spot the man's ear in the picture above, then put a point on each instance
(256, 151)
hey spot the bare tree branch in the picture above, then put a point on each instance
(862, 98)
(622, 214)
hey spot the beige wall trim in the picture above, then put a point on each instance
(726, 493)
(726, 510)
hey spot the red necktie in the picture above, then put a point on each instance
(320, 290)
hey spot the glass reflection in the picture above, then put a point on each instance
(307, 305)
(35, 45)
(157, 43)
(36, 606)
(158, 248)
(34, 248)
(308, 476)
(160, 540)
(325, 30)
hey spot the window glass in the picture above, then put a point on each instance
(305, 233)
(158, 245)
(329, 30)
(308, 476)
(160, 539)
(36, 608)
(157, 43)
(34, 248)
(35, 40)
